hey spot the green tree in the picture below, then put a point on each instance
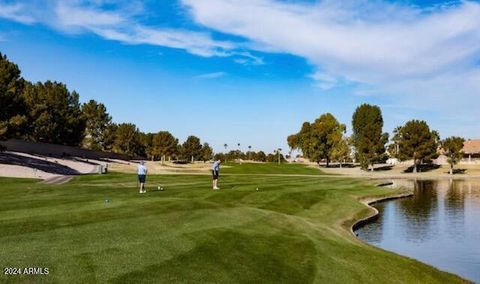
(341, 151)
(367, 137)
(192, 148)
(109, 137)
(12, 107)
(219, 156)
(274, 157)
(164, 145)
(97, 121)
(143, 147)
(417, 142)
(127, 139)
(260, 156)
(207, 152)
(233, 155)
(147, 141)
(226, 146)
(250, 155)
(318, 140)
(302, 140)
(453, 148)
(54, 114)
(292, 141)
(393, 148)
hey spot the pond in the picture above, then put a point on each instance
(439, 225)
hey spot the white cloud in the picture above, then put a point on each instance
(391, 48)
(196, 43)
(212, 75)
(119, 23)
(246, 58)
(72, 16)
(114, 25)
(323, 80)
(15, 12)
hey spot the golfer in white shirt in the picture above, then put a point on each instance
(142, 176)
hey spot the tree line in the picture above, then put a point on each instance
(325, 140)
(259, 156)
(49, 112)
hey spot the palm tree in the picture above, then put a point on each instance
(249, 152)
(225, 145)
(238, 151)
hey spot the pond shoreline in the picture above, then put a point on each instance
(369, 201)
(374, 214)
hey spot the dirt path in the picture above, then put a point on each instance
(57, 180)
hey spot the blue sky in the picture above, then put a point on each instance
(251, 72)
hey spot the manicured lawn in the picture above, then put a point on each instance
(294, 229)
(269, 168)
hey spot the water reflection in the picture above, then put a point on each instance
(439, 225)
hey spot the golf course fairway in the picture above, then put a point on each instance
(294, 229)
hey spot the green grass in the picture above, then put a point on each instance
(294, 229)
(269, 168)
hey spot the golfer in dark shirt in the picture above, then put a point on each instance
(215, 174)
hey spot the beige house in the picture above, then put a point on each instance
(471, 149)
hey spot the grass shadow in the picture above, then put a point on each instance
(383, 168)
(36, 163)
(459, 171)
(422, 168)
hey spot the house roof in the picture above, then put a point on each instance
(471, 146)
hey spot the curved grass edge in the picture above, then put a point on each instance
(369, 201)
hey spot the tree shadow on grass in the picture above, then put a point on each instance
(422, 168)
(337, 165)
(459, 171)
(36, 163)
(86, 161)
(383, 168)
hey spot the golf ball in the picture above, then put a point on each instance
(257, 188)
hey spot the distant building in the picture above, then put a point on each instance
(471, 149)
(300, 159)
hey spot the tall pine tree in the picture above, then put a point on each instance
(54, 114)
(367, 137)
(97, 121)
(12, 107)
